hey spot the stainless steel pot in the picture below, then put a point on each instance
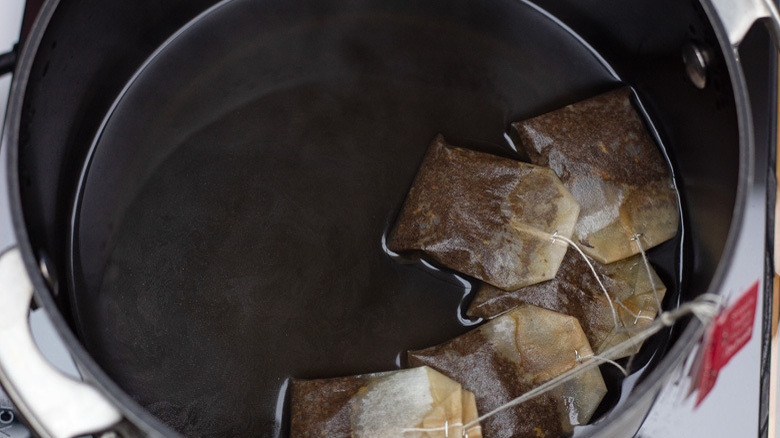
(57, 406)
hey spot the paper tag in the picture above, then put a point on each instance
(730, 331)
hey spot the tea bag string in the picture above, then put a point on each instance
(704, 307)
(558, 237)
(637, 316)
(603, 359)
(636, 239)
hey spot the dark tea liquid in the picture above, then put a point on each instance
(229, 228)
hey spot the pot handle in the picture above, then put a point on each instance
(55, 405)
(738, 16)
(8, 61)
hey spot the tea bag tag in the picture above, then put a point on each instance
(730, 331)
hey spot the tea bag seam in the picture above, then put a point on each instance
(534, 231)
(445, 428)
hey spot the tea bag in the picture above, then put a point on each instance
(512, 355)
(574, 291)
(486, 216)
(416, 403)
(604, 155)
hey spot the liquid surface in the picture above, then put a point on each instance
(229, 230)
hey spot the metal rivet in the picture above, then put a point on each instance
(6, 416)
(48, 272)
(696, 59)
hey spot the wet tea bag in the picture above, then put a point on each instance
(417, 403)
(574, 291)
(603, 153)
(514, 354)
(486, 216)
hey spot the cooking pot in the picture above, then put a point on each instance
(107, 93)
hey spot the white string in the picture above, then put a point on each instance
(647, 267)
(579, 359)
(705, 308)
(556, 236)
(636, 316)
(605, 360)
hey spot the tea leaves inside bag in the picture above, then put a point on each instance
(513, 354)
(574, 291)
(486, 216)
(603, 153)
(416, 403)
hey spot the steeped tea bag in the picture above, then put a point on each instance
(604, 155)
(574, 291)
(486, 216)
(512, 355)
(416, 403)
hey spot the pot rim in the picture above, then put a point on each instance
(613, 422)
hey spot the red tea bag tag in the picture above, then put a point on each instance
(730, 331)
